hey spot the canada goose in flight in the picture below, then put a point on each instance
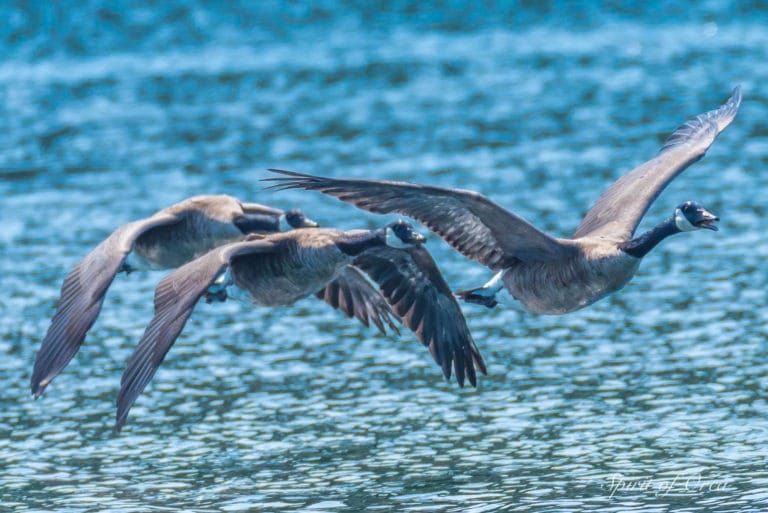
(548, 275)
(167, 239)
(281, 268)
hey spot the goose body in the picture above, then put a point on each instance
(166, 246)
(303, 263)
(548, 275)
(597, 270)
(167, 239)
(279, 269)
(186, 230)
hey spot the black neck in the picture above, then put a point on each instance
(258, 223)
(354, 244)
(640, 246)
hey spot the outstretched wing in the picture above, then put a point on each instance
(413, 285)
(619, 210)
(175, 297)
(353, 294)
(471, 223)
(82, 295)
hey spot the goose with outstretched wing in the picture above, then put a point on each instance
(282, 268)
(548, 275)
(165, 240)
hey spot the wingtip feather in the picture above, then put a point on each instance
(708, 124)
(288, 173)
(38, 389)
(729, 110)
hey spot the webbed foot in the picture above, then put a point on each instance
(477, 297)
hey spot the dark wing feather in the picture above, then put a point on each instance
(619, 210)
(82, 295)
(413, 285)
(468, 221)
(353, 294)
(175, 297)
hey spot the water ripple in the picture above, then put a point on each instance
(650, 400)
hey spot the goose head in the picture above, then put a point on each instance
(296, 219)
(401, 234)
(691, 216)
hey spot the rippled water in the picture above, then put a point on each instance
(651, 400)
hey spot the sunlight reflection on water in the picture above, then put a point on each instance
(300, 409)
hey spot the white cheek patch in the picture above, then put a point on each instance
(393, 241)
(682, 222)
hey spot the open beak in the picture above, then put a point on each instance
(707, 220)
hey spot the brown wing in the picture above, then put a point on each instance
(471, 223)
(175, 297)
(258, 208)
(353, 294)
(619, 210)
(413, 285)
(82, 295)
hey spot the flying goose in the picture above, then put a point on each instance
(547, 275)
(281, 268)
(167, 239)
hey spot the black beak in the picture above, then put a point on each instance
(706, 220)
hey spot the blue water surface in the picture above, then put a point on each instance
(651, 400)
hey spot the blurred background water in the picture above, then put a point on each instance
(651, 400)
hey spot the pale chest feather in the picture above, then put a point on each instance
(558, 288)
